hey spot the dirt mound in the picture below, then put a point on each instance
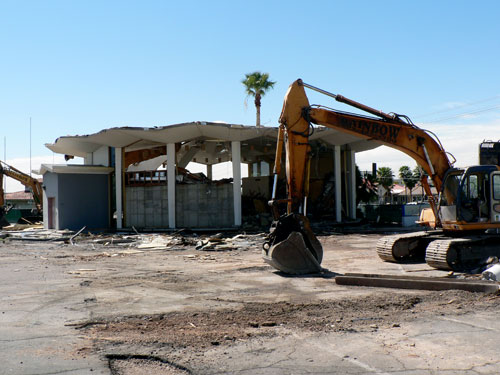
(202, 329)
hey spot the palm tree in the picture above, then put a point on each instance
(385, 178)
(409, 179)
(257, 84)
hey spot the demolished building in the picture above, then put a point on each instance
(128, 173)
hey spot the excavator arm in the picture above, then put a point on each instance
(32, 183)
(296, 121)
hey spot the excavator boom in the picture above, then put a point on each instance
(30, 182)
(389, 130)
(296, 120)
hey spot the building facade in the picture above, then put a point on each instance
(139, 177)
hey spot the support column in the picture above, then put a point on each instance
(352, 184)
(236, 160)
(171, 184)
(209, 171)
(338, 185)
(89, 159)
(118, 186)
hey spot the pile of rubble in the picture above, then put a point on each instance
(34, 233)
(140, 241)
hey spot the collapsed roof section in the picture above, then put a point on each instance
(202, 142)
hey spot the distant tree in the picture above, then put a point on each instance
(366, 190)
(408, 177)
(256, 85)
(417, 174)
(385, 177)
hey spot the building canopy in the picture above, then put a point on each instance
(202, 142)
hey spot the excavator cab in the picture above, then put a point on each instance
(468, 200)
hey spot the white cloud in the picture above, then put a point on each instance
(384, 157)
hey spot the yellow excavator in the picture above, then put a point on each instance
(31, 183)
(465, 216)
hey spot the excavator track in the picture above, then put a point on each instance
(437, 254)
(460, 254)
(404, 247)
(440, 252)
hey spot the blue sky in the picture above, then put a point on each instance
(76, 67)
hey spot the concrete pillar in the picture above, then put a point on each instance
(209, 171)
(118, 186)
(338, 184)
(188, 156)
(236, 161)
(89, 159)
(352, 183)
(171, 184)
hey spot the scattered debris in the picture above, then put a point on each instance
(156, 243)
(219, 243)
(17, 227)
(492, 273)
(27, 221)
(114, 240)
(136, 242)
(80, 271)
(35, 233)
(128, 251)
(76, 234)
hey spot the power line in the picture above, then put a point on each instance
(458, 107)
(463, 114)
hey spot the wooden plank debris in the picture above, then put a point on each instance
(414, 282)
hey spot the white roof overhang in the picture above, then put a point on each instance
(133, 138)
(74, 169)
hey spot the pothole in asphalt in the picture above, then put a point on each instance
(143, 365)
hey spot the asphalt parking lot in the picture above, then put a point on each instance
(105, 307)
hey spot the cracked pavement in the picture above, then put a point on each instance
(49, 290)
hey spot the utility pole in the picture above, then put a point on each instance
(30, 146)
(4, 182)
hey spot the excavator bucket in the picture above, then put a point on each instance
(292, 247)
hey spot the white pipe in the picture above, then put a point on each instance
(428, 160)
(275, 183)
